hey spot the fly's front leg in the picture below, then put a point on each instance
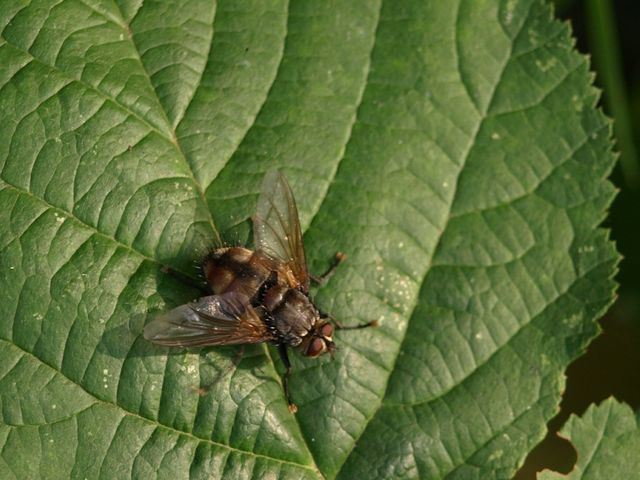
(340, 326)
(284, 356)
(338, 258)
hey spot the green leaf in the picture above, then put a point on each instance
(452, 150)
(607, 439)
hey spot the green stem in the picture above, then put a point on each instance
(602, 35)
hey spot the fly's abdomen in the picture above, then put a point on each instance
(236, 269)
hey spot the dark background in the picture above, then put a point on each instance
(610, 32)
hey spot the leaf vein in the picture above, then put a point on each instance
(146, 420)
(252, 123)
(81, 223)
(465, 157)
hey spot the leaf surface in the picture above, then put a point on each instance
(451, 150)
(607, 439)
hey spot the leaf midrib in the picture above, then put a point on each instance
(324, 194)
(598, 442)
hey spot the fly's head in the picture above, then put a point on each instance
(319, 340)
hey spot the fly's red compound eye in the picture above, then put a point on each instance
(326, 330)
(316, 347)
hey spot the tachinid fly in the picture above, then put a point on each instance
(258, 296)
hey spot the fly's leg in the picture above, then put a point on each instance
(187, 280)
(235, 361)
(339, 326)
(338, 258)
(284, 356)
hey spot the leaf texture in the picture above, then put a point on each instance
(452, 150)
(607, 439)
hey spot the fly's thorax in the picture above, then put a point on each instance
(274, 296)
(293, 317)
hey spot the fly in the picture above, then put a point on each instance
(259, 295)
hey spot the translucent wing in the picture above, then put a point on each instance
(226, 319)
(277, 227)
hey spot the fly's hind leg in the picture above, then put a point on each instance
(338, 258)
(187, 280)
(284, 356)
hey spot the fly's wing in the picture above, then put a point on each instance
(276, 226)
(227, 319)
